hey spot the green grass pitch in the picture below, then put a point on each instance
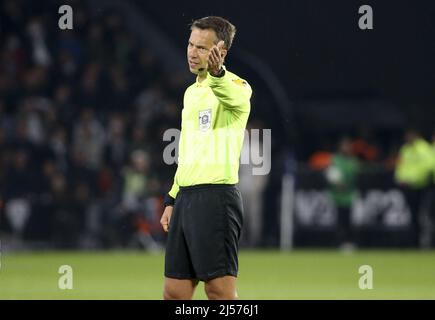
(299, 274)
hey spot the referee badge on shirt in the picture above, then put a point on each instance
(204, 120)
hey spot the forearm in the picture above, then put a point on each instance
(233, 93)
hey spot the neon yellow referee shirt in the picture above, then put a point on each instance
(213, 122)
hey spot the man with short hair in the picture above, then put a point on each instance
(203, 210)
(413, 173)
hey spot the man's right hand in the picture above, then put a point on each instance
(166, 217)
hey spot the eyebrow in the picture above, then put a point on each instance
(201, 47)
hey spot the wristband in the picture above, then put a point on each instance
(168, 200)
(220, 74)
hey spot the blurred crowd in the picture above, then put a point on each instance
(82, 114)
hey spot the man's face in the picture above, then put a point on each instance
(198, 48)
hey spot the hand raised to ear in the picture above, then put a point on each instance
(215, 59)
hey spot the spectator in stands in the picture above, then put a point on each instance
(342, 177)
(363, 147)
(321, 159)
(90, 91)
(58, 89)
(79, 172)
(431, 198)
(433, 157)
(63, 104)
(135, 180)
(40, 54)
(413, 173)
(116, 148)
(138, 139)
(65, 220)
(58, 142)
(415, 159)
(19, 180)
(89, 139)
(4, 154)
(134, 192)
(18, 190)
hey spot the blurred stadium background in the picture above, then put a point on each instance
(352, 116)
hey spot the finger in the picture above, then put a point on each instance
(212, 59)
(213, 50)
(165, 225)
(216, 55)
(217, 51)
(219, 54)
(220, 45)
(210, 55)
(163, 220)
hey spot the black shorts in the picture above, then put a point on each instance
(204, 232)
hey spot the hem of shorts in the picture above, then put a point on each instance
(217, 274)
(180, 276)
(202, 277)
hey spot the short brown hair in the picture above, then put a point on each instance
(223, 28)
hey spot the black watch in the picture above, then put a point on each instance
(220, 74)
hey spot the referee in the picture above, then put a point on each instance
(203, 210)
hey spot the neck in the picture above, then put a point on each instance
(202, 75)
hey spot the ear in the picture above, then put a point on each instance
(224, 53)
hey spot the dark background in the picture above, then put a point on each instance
(318, 51)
